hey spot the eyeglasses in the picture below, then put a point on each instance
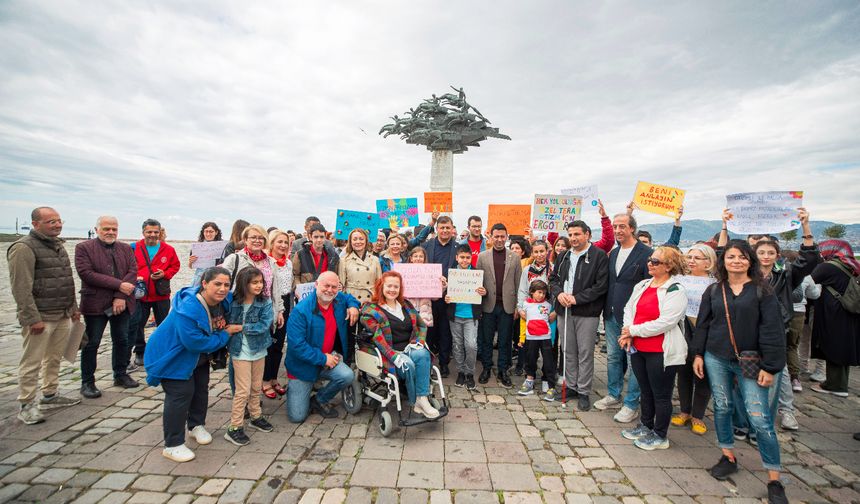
(53, 222)
(694, 258)
(655, 262)
(256, 238)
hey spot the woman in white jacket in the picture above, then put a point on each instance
(653, 334)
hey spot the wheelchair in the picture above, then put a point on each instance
(374, 382)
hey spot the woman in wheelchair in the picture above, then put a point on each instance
(400, 335)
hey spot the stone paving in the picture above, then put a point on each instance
(493, 447)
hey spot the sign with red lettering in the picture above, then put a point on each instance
(658, 199)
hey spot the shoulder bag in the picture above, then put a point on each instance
(162, 285)
(749, 360)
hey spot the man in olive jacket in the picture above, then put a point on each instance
(44, 291)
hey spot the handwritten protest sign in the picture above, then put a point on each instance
(420, 280)
(304, 290)
(764, 212)
(438, 202)
(695, 286)
(588, 194)
(551, 212)
(658, 199)
(515, 217)
(207, 253)
(399, 212)
(462, 284)
(347, 220)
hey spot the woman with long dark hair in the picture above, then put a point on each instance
(208, 232)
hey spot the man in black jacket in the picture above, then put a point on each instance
(578, 284)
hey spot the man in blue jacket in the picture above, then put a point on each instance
(316, 348)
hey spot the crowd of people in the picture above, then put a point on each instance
(741, 337)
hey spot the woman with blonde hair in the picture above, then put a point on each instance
(693, 392)
(279, 250)
(358, 271)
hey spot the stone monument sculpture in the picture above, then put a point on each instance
(446, 125)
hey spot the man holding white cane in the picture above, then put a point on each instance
(578, 284)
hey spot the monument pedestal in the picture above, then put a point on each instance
(442, 171)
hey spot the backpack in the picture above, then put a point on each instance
(850, 299)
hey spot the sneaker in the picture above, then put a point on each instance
(652, 442)
(544, 386)
(559, 381)
(461, 380)
(583, 403)
(56, 401)
(261, 424)
(821, 390)
(796, 386)
(571, 393)
(179, 453)
(740, 434)
(485, 376)
(132, 367)
(125, 381)
(423, 407)
(444, 371)
(470, 382)
(752, 439)
(504, 380)
(90, 391)
(237, 436)
(789, 421)
(724, 468)
(550, 395)
(776, 493)
(818, 376)
(528, 388)
(324, 410)
(607, 403)
(603, 348)
(626, 415)
(201, 435)
(30, 413)
(635, 433)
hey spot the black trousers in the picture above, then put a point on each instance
(655, 384)
(693, 393)
(161, 308)
(544, 348)
(119, 331)
(275, 353)
(185, 403)
(439, 336)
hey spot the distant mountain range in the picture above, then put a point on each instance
(698, 229)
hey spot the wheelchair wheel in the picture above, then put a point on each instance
(352, 398)
(386, 424)
(434, 402)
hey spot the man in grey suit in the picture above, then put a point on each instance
(502, 271)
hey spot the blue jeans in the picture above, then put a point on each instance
(299, 392)
(615, 359)
(503, 321)
(415, 372)
(722, 374)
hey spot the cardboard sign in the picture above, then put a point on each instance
(695, 287)
(347, 220)
(438, 202)
(462, 284)
(73, 344)
(397, 213)
(588, 194)
(764, 212)
(207, 253)
(515, 217)
(658, 199)
(304, 290)
(420, 280)
(551, 212)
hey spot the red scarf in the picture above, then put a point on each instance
(259, 256)
(282, 261)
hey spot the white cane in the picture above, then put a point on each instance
(563, 347)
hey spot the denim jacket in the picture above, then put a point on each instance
(255, 326)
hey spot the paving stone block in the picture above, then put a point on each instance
(415, 495)
(476, 497)
(45, 447)
(358, 495)
(236, 492)
(305, 480)
(54, 476)
(312, 496)
(214, 486)
(37, 493)
(440, 496)
(63, 496)
(513, 477)
(551, 484)
(467, 476)
(290, 496)
(116, 498)
(415, 474)
(92, 496)
(154, 483)
(149, 498)
(22, 475)
(617, 489)
(185, 484)
(181, 499)
(9, 492)
(115, 481)
(522, 498)
(580, 484)
(266, 491)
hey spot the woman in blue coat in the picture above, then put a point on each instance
(176, 357)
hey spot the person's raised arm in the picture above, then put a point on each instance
(724, 232)
(607, 235)
(675, 236)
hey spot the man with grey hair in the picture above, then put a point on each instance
(108, 271)
(44, 292)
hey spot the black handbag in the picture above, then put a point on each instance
(162, 285)
(749, 360)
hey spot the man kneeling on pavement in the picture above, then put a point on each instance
(317, 347)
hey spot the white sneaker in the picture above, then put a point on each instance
(544, 386)
(626, 415)
(818, 376)
(200, 435)
(30, 413)
(822, 390)
(607, 403)
(179, 453)
(789, 422)
(796, 386)
(423, 407)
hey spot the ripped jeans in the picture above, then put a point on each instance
(722, 374)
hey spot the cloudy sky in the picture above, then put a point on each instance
(193, 111)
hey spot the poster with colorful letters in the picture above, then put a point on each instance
(397, 212)
(347, 220)
(462, 284)
(764, 212)
(420, 280)
(304, 290)
(658, 199)
(551, 212)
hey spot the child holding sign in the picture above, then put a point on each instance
(464, 327)
(538, 313)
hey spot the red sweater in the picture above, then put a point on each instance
(607, 237)
(165, 260)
